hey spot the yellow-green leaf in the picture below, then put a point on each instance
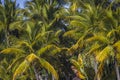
(11, 51)
(117, 46)
(21, 69)
(80, 61)
(49, 68)
(104, 54)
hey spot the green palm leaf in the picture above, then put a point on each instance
(51, 48)
(49, 68)
(31, 59)
(70, 33)
(79, 67)
(21, 69)
(117, 46)
(97, 38)
(78, 23)
(58, 33)
(12, 50)
(74, 6)
(75, 63)
(15, 25)
(24, 43)
(94, 47)
(104, 54)
(76, 17)
(80, 61)
(15, 61)
(111, 32)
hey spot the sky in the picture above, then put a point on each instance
(20, 2)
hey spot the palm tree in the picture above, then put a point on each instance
(95, 20)
(9, 17)
(31, 42)
(36, 35)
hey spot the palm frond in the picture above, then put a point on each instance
(60, 13)
(97, 38)
(39, 35)
(72, 49)
(75, 63)
(111, 33)
(15, 25)
(30, 59)
(51, 23)
(76, 17)
(104, 54)
(78, 23)
(111, 18)
(74, 6)
(70, 33)
(79, 44)
(44, 11)
(21, 69)
(93, 48)
(11, 51)
(14, 62)
(79, 67)
(80, 61)
(51, 48)
(58, 33)
(117, 46)
(90, 8)
(49, 68)
(24, 43)
(80, 75)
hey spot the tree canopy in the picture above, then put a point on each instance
(60, 39)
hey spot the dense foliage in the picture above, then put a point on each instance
(54, 39)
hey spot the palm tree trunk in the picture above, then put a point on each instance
(53, 77)
(38, 77)
(97, 77)
(116, 66)
(117, 70)
(36, 74)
